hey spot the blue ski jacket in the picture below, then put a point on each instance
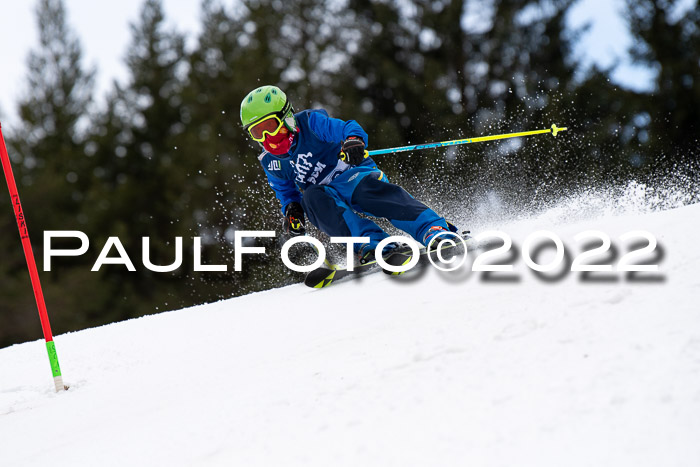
(313, 157)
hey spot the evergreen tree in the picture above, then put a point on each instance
(52, 172)
(667, 39)
(143, 188)
(50, 140)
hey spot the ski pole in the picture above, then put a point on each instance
(31, 265)
(554, 130)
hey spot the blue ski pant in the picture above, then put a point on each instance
(334, 208)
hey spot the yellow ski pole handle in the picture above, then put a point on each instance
(553, 130)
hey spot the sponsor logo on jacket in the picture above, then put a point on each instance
(306, 171)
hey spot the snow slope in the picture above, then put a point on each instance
(431, 368)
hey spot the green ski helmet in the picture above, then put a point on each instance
(267, 101)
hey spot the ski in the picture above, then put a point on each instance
(326, 275)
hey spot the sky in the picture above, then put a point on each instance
(103, 30)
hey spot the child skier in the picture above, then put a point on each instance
(319, 166)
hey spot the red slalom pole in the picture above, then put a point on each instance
(31, 264)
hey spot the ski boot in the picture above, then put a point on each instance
(366, 253)
(438, 232)
(433, 240)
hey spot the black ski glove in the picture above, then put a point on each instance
(293, 224)
(354, 152)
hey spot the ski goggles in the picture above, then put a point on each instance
(267, 126)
